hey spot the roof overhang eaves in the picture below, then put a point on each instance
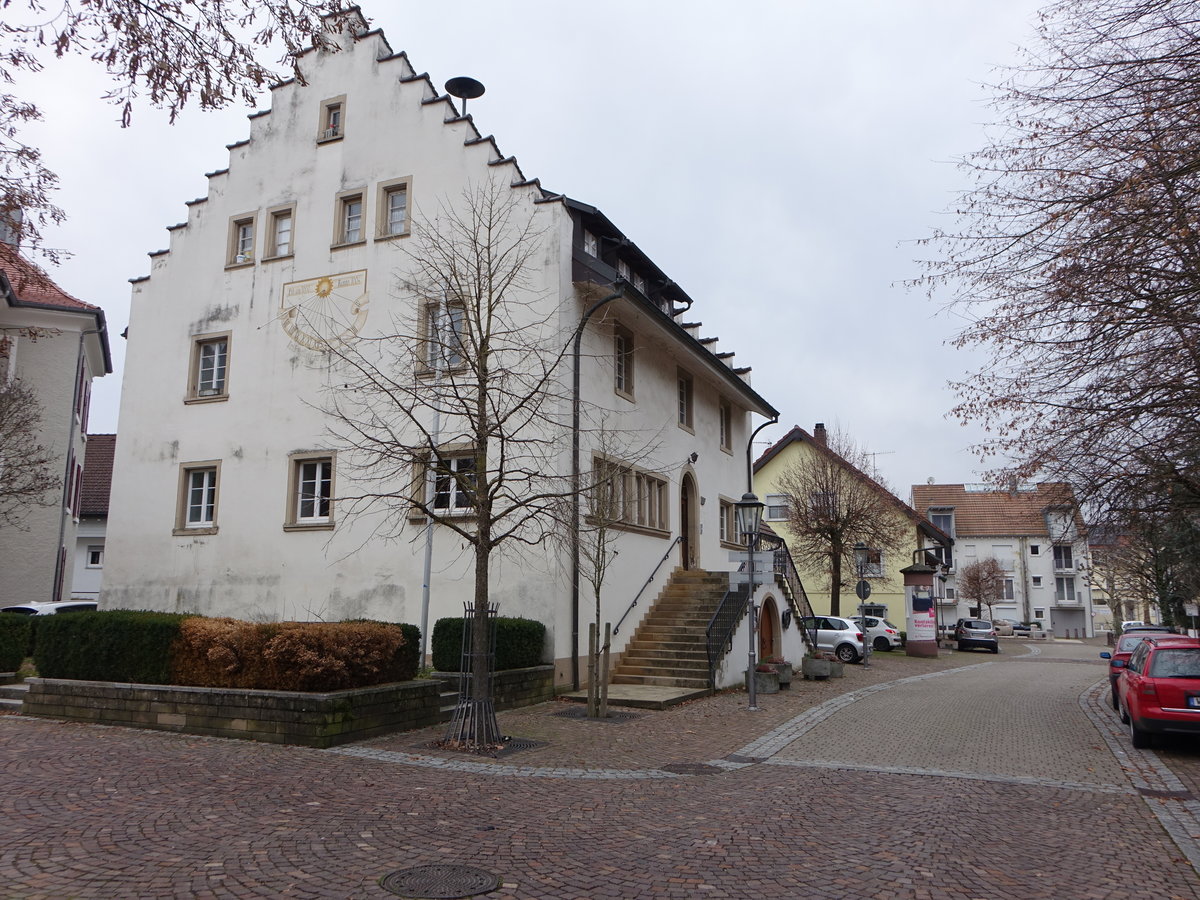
(11, 298)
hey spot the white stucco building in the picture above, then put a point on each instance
(1037, 535)
(54, 344)
(228, 480)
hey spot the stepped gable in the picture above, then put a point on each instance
(430, 95)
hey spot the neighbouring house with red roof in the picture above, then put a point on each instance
(1037, 535)
(55, 345)
(93, 516)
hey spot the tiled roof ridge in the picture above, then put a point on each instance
(31, 285)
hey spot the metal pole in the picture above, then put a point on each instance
(435, 436)
(751, 687)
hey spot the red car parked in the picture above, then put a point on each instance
(1159, 688)
(1120, 653)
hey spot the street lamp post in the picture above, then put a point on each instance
(748, 513)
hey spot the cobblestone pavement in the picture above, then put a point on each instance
(968, 777)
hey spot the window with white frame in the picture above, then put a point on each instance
(333, 120)
(1035, 549)
(1008, 591)
(626, 496)
(1063, 558)
(453, 484)
(623, 270)
(943, 521)
(279, 238)
(349, 228)
(591, 246)
(777, 507)
(950, 595)
(684, 399)
(1039, 613)
(198, 496)
(1036, 580)
(824, 505)
(310, 488)
(209, 378)
(1064, 590)
(725, 414)
(623, 361)
(393, 206)
(241, 240)
(872, 562)
(95, 556)
(443, 327)
(728, 523)
(639, 284)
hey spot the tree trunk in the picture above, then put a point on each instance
(593, 704)
(835, 586)
(605, 670)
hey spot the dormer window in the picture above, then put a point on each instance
(623, 269)
(591, 246)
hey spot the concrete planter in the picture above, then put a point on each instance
(766, 682)
(784, 670)
(837, 669)
(816, 669)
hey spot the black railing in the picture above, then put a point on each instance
(719, 634)
(785, 571)
(647, 584)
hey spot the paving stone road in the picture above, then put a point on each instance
(969, 777)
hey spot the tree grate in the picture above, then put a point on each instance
(580, 713)
(510, 746)
(691, 769)
(441, 881)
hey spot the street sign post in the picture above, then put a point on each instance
(863, 589)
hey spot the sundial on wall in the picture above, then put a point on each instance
(319, 313)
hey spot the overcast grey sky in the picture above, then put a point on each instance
(777, 160)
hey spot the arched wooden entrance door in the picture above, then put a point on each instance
(768, 629)
(687, 521)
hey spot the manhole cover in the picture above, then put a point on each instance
(439, 881)
(576, 712)
(691, 769)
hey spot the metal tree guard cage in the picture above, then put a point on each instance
(473, 724)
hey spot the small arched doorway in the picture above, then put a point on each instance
(688, 520)
(768, 629)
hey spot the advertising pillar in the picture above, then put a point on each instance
(920, 611)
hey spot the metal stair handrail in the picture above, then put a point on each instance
(718, 636)
(638, 596)
(785, 569)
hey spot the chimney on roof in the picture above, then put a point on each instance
(10, 227)
(820, 435)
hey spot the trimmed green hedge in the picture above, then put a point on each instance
(110, 645)
(519, 643)
(16, 639)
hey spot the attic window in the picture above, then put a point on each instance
(591, 246)
(333, 120)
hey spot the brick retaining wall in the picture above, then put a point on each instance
(278, 717)
(513, 687)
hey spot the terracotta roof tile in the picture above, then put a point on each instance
(994, 513)
(31, 284)
(97, 474)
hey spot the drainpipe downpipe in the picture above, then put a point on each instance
(60, 561)
(575, 483)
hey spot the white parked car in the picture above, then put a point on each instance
(882, 634)
(50, 609)
(841, 637)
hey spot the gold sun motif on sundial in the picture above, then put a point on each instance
(319, 313)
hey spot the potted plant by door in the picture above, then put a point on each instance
(816, 667)
(766, 679)
(783, 667)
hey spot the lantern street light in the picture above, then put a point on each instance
(748, 517)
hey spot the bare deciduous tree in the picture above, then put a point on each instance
(981, 584)
(1076, 258)
(169, 52)
(832, 505)
(458, 413)
(27, 476)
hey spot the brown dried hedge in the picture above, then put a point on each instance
(289, 656)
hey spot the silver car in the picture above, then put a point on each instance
(835, 635)
(882, 634)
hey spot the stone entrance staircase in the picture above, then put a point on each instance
(668, 648)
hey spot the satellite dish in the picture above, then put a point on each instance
(465, 89)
